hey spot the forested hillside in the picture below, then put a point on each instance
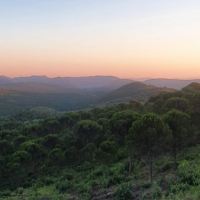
(12, 101)
(15, 97)
(35, 87)
(122, 152)
(136, 90)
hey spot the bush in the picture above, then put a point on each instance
(27, 184)
(115, 179)
(123, 192)
(98, 171)
(5, 193)
(84, 188)
(63, 186)
(145, 185)
(20, 191)
(166, 166)
(85, 196)
(144, 197)
(155, 192)
(175, 188)
(187, 173)
(67, 176)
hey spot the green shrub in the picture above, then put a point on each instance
(121, 153)
(145, 185)
(27, 184)
(119, 168)
(115, 179)
(67, 176)
(103, 191)
(144, 197)
(123, 192)
(84, 188)
(175, 188)
(20, 191)
(48, 180)
(63, 186)
(5, 193)
(187, 173)
(155, 192)
(92, 183)
(85, 196)
(166, 166)
(98, 171)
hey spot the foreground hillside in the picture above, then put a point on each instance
(121, 152)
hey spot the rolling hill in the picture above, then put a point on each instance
(35, 87)
(12, 101)
(136, 90)
(170, 83)
(15, 97)
(192, 88)
(5, 80)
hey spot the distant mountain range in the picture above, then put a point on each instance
(70, 94)
(15, 97)
(97, 83)
(170, 83)
(101, 82)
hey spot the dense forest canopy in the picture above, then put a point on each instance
(125, 151)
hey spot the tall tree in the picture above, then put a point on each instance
(179, 124)
(87, 131)
(106, 153)
(121, 122)
(147, 135)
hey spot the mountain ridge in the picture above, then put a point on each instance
(177, 84)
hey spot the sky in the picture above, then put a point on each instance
(123, 38)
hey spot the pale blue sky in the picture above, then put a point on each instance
(121, 33)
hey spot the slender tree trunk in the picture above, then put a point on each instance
(175, 159)
(33, 167)
(150, 167)
(130, 164)
(107, 171)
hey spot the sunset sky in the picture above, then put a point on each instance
(123, 38)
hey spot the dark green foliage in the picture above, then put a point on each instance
(47, 180)
(147, 136)
(121, 122)
(5, 193)
(63, 186)
(179, 124)
(192, 88)
(87, 131)
(155, 192)
(124, 192)
(95, 152)
(136, 90)
(106, 152)
(177, 103)
(145, 185)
